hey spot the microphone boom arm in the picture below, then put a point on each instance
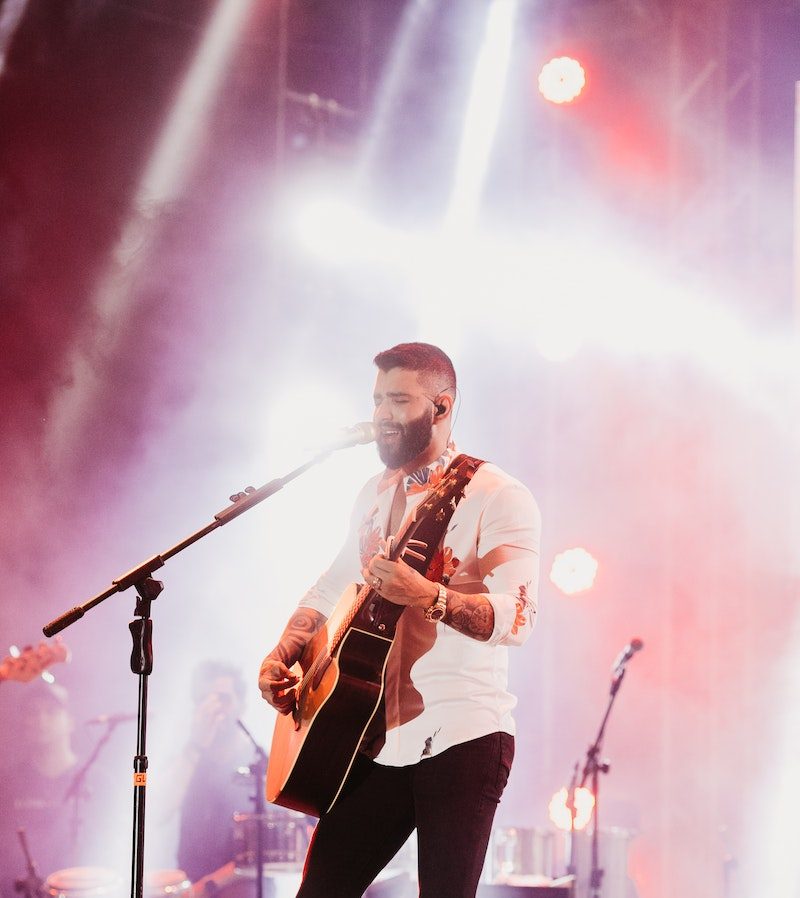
(142, 657)
(240, 503)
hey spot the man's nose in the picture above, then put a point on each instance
(382, 412)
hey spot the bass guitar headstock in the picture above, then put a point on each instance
(32, 661)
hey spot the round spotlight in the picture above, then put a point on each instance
(561, 813)
(573, 571)
(562, 79)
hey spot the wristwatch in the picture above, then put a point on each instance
(436, 612)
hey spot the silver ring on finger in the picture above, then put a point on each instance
(377, 582)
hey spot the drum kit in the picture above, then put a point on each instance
(284, 841)
(516, 856)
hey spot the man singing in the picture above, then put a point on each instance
(440, 758)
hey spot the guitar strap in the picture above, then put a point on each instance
(431, 530)
(384, 615)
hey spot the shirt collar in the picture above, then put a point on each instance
(421, 480)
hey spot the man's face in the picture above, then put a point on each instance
(222, 692)
(403, 415)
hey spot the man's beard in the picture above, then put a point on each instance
(414, 439)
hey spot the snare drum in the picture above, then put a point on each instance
(285, 836)
(84, 882)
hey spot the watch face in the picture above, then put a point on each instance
(439, 608)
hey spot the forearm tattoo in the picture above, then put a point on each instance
(301, 627)
(472, 615)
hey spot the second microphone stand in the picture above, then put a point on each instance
(592, 768)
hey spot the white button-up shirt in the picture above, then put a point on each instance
(443, 687)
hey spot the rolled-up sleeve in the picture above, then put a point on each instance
(508, 552)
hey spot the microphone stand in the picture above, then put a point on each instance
(76, 789)
(141, 629)
(258, 770)
(593, 767)
(32, 886)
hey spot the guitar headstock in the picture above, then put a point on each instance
(32, 661)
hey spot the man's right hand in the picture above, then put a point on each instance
(276, 682)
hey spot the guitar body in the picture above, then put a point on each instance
(314, 748)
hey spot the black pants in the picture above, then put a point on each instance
(450, 799)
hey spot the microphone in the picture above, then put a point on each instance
(110, 719)
(626, 654)
(365, 432)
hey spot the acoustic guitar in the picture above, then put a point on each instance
(342, 668)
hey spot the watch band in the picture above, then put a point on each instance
(436, 612)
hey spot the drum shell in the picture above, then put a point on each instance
(84, 882)
(515, 851)
(102, 882)
(285, 837)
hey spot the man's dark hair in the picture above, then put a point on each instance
(429, 361)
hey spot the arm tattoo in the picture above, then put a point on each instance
(301, 627)
(472, 615)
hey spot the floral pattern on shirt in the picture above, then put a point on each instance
(427, 478)
(423, 480)
(442, 566)
(523, 609)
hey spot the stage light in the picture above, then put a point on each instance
(561, 815)
(573, 571)
(482, 114)
(562, 79)
(179, 143)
